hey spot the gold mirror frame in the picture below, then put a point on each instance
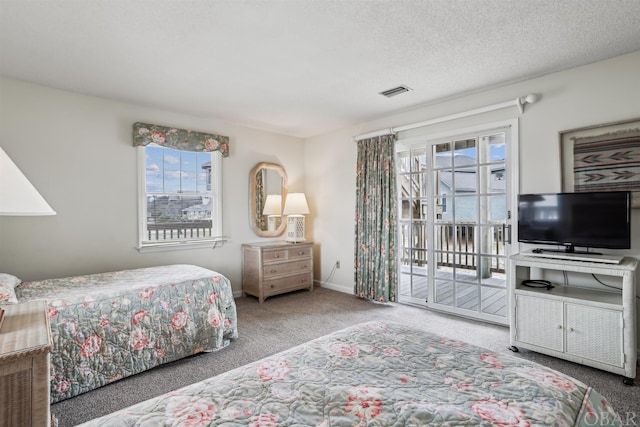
(262, 183)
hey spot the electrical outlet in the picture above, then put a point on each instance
(337, 264)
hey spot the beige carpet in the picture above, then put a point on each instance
(288, 320)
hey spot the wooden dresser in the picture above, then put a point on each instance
(25, 343)
(273, 268)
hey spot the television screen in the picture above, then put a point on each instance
(590, 220)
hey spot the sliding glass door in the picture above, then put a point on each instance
(455, 217)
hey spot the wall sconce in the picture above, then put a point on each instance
(273, 210)
(295, 208)
(18, 197)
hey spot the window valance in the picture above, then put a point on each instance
(179, 139)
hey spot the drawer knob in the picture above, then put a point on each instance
(300, 253)
(273, 271)
(559, 326)
(277, 256)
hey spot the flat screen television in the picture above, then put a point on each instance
(588, 220)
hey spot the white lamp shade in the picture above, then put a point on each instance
(18, 197)
(296, 204)
(273, 205)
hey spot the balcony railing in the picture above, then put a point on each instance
(167, 231)
(455, 245)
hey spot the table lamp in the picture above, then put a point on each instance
(295, 208)
(273, 210)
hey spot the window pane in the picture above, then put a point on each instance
(442, 156)
(188, 171)
(444, 237)
(492, 239)
(493, 179)
(466, 209)
(180, 205)
(465, 180)
(444, 292)
(498, 208)
(178, 217)
(465, 152)
(493, 301)
(497, 148)
(203, 170)
(403, 161)
(153, 167)
(418, 160)
(406, 209)
(444, 210)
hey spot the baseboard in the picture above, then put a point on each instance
(326, 285)
(334, 287)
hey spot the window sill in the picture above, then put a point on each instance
(175, 246)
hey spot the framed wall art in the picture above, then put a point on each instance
(603, 157)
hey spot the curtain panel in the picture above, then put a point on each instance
(260, 219)
(179, 139)
(376, 267)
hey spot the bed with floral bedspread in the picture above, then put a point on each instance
(377, 374)
(108, 326)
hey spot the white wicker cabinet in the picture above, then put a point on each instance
(580, 320)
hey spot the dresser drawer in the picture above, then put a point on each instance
(274, 270)
(298, 253)
(278, 286)
(274, 256)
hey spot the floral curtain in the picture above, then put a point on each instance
(261, 221)
(376, 268)
(179, 139)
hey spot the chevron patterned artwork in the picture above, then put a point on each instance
(607, 161)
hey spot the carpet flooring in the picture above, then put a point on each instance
(287, 320)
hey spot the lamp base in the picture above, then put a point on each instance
(295, 228)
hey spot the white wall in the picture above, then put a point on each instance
(603, 92)
(77, 151)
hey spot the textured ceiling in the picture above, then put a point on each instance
(303, 67)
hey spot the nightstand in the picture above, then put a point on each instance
(25, 343)
(274, 268)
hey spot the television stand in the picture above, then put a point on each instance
(576, 256)
(583, 324)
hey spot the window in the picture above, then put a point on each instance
(180, 203)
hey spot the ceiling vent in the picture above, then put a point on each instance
(395, 91)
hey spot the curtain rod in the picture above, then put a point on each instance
(520, 102)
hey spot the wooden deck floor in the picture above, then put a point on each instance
(493, 294)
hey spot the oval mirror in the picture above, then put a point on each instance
(267, 192)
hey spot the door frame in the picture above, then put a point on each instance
(511, 127)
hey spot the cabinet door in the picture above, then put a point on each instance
(595, 334)
(539, 322)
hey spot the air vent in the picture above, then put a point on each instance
(395, 91)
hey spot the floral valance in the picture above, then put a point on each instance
(179, 139)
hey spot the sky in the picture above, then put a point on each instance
(175, 171)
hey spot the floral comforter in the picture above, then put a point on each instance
(108, 326)
(377, 374)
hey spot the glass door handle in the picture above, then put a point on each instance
(506, 233)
